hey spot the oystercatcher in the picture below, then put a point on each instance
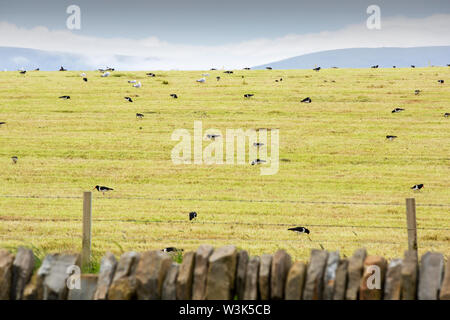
(397, 110)
(62, 69)
(447, 114)
(139, 115)
(281, 79)
(128, 99)
(213, 69)
(269, 68)
(299, 230)
(171, 249)
(248, 95)
(258, 161)
(417, 186)
(213, 136)
(174, 95)
(374, 67)
(306, 100)
(317, 69)
(391, 137)
(413, 66)
(228, 71)
(23, 71)
(103, 189)
(2, 122)
(64, 97)
(394, 67)
(416, 92)
(246, 68)
(150, 74)
(37, 69)
(192, 215)
(85, 79)
(441, 81)
(217, 78)
(258, 144)
(14, 159)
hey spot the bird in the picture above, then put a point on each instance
(102, 189)
(413, 66)
(213, 69)
(85, 79)
(205, 74)
(228, 71)
(202, 80)
(281, 79)
(64, 97)
(394, 67)
(248, 95)
(306, 100)
(150, 74)
(441, 81)
(62, 69)
(139, 115)
(276, 80)
(417, 186)
(137, 85)
(14, 159)
(217, 78)
(171, 249)
(246, 68)
(23, 71)
(416, 92)
(106, 74)
(391, 137)
(317, 69)
(299, 230)
(37, 69)
(269, 68)
(397, 110)
(128, 99)
(257, 161)
(374, 67)
(258, 144)
(109, 69)
(174, 95)
(83, 75)
(192, 215)
(2, 122)
(213, 136)
(131, 81)
(447, 114)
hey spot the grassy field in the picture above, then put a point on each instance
(333, 150)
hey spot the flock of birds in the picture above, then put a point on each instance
(192, 215)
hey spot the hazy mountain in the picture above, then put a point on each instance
(366, 57)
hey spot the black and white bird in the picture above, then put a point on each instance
(397, 110)
(299, 230)
(394, 67)
(139, 115)
(64, 97)
(37, 69)
(23, 71)
(213, 136)
(258, 161)
(391, 137)
(174, 95)
(317, 69)
(269, 68)
(248, 95)
(150, 74)
(217, 78)
(246, 68)
(281, 79)
(192, 215)
(128, 99)
(447, 114)
(417, 186)
(228, 71)
(102, 189)
(62, 69)
(413, 66)
(417, 92)
(14, 159)
(171, 249)
(374, 67)
(306, 100)
(213, 69)
(441, 81)
(258, 144)
(2, 122)
(85, 79)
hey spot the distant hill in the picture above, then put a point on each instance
(366, 57)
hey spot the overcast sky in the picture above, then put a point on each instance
(199, 34)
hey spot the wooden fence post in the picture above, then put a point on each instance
(411, 224)
(87, 222)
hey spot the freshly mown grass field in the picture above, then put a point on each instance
(332, 151)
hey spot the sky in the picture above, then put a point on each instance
(199, 34)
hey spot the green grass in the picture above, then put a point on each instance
(332, 150)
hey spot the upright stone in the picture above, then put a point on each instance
(108, 266)
(22, 270)
(445, 289)
(150, 273)
(340, 284)
(241, 271)
(221, 273)
(371, 287)
(314, 276)
(6, 266)
(281, 263)
(88, 286)
(185, 275)
(409, 275)
(431, 275)
(355, 270)
(393, 282)
(265, 266)
(201, 271)
(251, 279)
(123, 286)
(55, 282)
(295, 281)
(169, 289)
(329, 278)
